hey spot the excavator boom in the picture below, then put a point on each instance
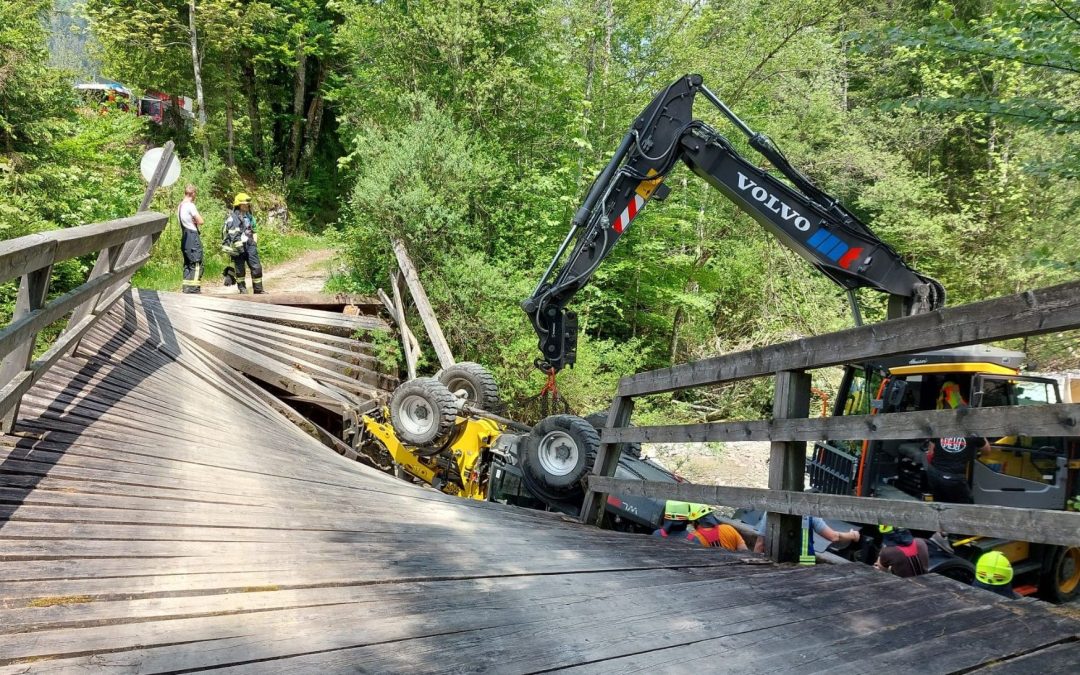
(801, 215)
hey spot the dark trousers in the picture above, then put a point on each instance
(948, 488)
(191, 247)
(249, 257)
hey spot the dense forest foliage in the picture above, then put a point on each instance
(472, 128)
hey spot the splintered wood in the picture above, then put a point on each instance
(161, 512)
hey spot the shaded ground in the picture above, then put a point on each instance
(306, 273)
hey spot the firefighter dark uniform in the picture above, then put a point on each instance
(191, 246)
(238, 240)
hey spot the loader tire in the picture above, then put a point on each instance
(479, 384)
(599, 420)
(1061, 578)
(559, 452)
(422, 412)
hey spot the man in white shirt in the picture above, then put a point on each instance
(190, 243)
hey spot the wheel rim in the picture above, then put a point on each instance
(457, 383)
(558, 453)
(416, 415)
(1068, 576)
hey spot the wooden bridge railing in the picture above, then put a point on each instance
(122, 245)
(1031, 313)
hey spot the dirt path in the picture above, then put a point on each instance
(742, 464)
(305, 274)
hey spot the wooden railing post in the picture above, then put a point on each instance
(787, 465)
(607, 459)
(33, 290)
(106, 262)
(423, 305)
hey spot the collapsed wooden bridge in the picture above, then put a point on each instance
(164, 508)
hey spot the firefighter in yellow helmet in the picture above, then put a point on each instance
(994, 573)
(701, 526)
(239, 241)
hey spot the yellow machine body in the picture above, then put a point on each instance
(461, 469)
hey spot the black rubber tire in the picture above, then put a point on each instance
(551, 435)
(1050, 586)
(956, 569)
(477, 381)
(599, 420)
(413, 403)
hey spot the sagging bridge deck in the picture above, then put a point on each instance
(159, 514)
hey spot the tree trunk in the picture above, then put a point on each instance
(229, 136)
(609, 27)
(314, 120)
(196, 64)
(247, 81)
(296, 139)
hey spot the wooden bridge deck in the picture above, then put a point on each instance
(158, 514)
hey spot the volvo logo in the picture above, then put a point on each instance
(773, 203)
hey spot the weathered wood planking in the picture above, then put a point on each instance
(1048, 527)
(1045, 310)
(158, 512)
(327, 302)
(26, 254)
(1043, 420)
(340, 324)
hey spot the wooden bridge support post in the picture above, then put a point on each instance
(607, 460)
(787, 465)
(33, 290)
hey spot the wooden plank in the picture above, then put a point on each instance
(1059, 659)
(339, 324)
(1037, 420)
(390, 617)
(17, 339)
(607, 460)
(787, 466)
(23, 328)
(412, 346)
(423, 305)
(1046, 527)
(403, 331)
(1046, 310)
(23, 255)
(327, 302)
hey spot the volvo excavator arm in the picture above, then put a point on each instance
(801, 215)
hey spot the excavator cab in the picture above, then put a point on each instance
(1019, 471)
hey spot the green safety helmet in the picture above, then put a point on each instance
(885, 529)
(686, 510)
(994, 568)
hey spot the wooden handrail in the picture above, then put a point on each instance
(1045, 527)
(122, 246)
(1042, 420)
(1046, 310)
(23, 255)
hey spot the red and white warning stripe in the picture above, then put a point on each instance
(631, 210)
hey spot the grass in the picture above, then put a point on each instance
(165, 269)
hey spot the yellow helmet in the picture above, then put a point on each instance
(241, 198)
(994, 568)
(686, 510)
(885, 529)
